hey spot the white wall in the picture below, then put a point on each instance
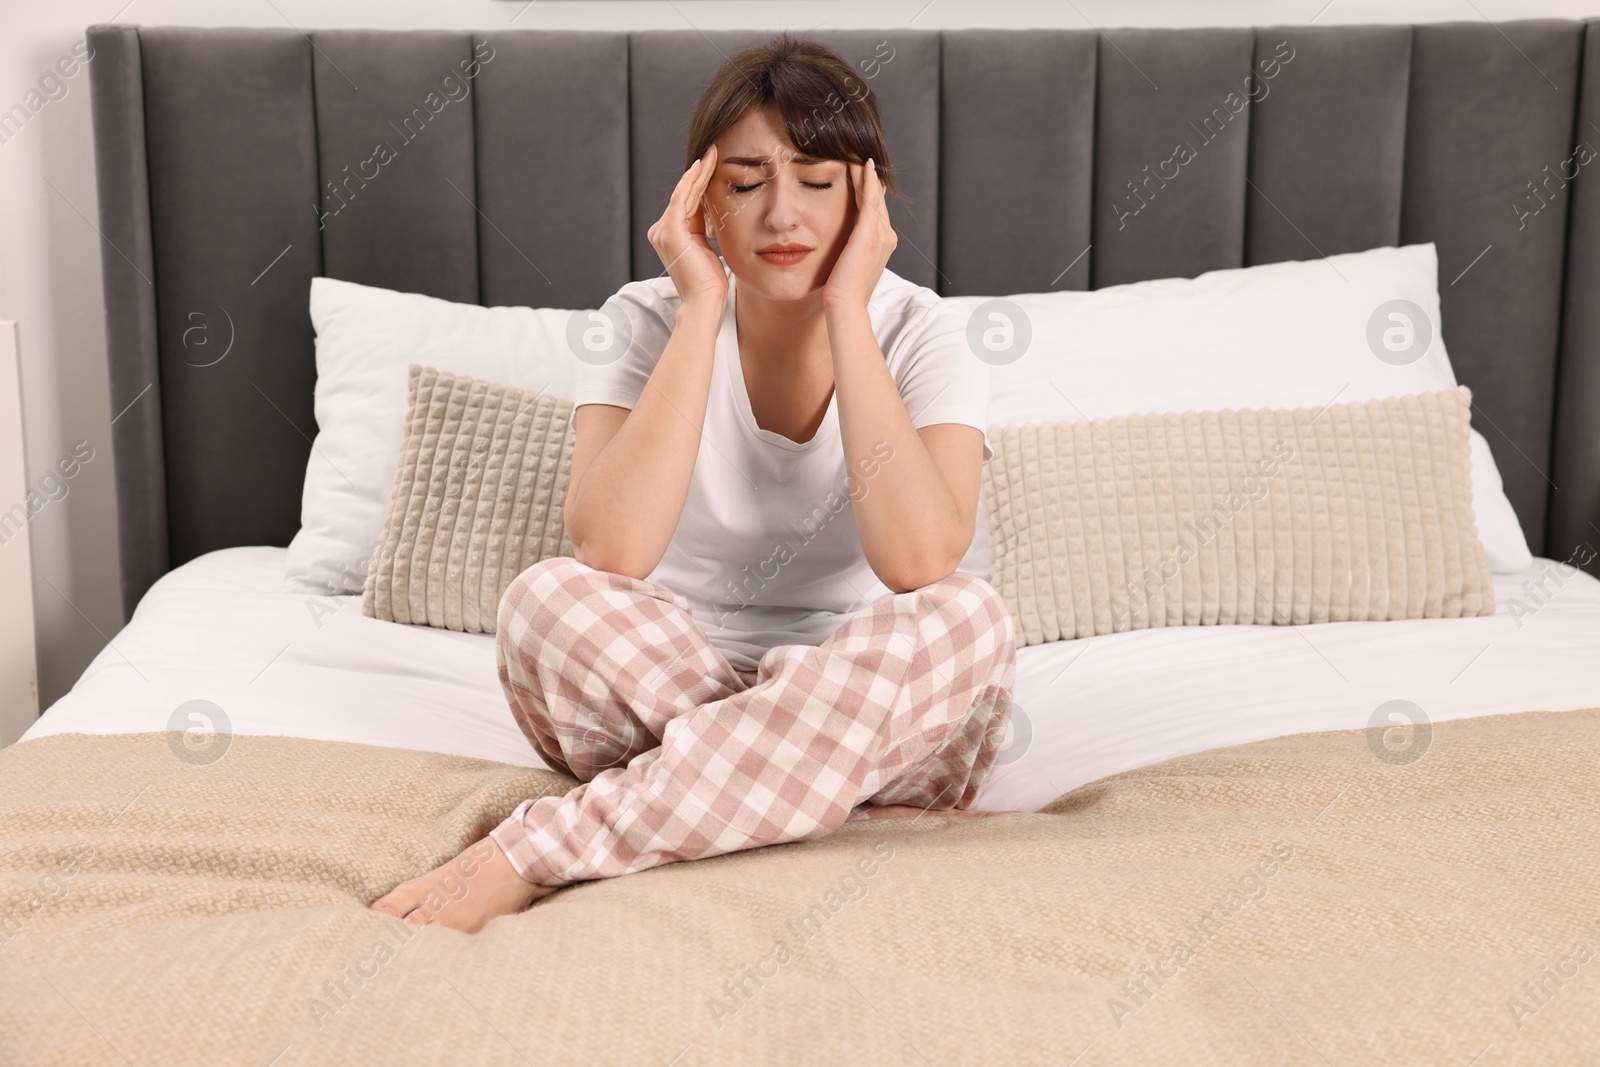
(50, 250)
(19, 691)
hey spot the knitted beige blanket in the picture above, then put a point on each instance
(1294, 901)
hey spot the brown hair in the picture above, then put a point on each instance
(828, 111)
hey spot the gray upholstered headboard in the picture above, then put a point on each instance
(236, 164)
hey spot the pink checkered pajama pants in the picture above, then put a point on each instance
(682, 757)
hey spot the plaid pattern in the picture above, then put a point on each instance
(682, 757)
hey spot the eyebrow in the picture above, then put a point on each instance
(761, 161)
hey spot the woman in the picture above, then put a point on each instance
(761, 633)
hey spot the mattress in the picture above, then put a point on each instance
(219, 636)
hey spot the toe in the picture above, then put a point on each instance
(399, 900)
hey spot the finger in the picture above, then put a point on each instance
(855, 170)
(697, 219)
(702, 177)
(680, 194)
(875, 189)
(686, 183)
(697, 205)
(709, 167)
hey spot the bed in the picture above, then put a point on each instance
(1216, 852)
(220, 629)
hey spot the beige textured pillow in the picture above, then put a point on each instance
(477, 499)
(1356, 511)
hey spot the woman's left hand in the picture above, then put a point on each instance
(856, 272)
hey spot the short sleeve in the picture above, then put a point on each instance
(941, 379)
(618, 344)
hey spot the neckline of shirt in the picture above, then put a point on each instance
(733, 366)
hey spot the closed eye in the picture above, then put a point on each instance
(757, 185)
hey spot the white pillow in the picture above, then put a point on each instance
(1304, 333)
(366, 339)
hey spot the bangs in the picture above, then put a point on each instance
(817, 129)
(827, 109)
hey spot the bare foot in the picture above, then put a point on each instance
(896, 811)
(463, 893)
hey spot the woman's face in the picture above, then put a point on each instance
(766, 196)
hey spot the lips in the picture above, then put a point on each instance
(784, 254)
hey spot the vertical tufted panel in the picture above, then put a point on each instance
(1575, 506)
(670, 69)
(552, 165)
(1175, 95)
(122, 180)
(1491, 104)
(395, 146)
(1341, 97)
(233, 173)
(1017, 160)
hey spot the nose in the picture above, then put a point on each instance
(783, 206)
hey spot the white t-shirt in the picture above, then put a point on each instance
(766, 550)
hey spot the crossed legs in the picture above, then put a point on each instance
(680, 756)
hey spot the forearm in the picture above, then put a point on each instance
(906, 514)
(622, 513)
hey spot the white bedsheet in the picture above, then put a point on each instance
(221, 629)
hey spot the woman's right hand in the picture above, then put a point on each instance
(679, 238)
